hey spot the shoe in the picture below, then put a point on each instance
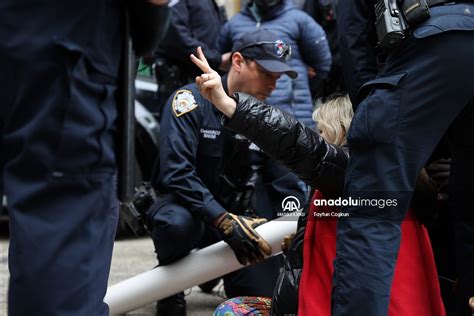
(208, 286)
(174, 305)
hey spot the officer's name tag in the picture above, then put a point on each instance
(210, 133)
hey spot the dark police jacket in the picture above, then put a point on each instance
(193, 23)
(191, 152)
(358, 40)
(204, 166)
(92, 35)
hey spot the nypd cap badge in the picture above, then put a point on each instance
(183, 102)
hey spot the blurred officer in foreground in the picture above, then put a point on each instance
(193, 179)
(192, 24)
(60, 64)
(421, 89)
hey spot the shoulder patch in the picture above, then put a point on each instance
(183, 102)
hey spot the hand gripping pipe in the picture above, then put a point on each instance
(196, 268)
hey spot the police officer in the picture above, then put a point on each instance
(421, 89)
(60, 64)
(325, 13)
(191, 165)
(192, 24)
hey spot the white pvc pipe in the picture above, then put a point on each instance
(196, 268)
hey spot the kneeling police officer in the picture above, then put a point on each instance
(194, 209)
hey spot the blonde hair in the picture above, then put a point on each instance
(334, 118)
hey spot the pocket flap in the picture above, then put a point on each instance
(391, 81)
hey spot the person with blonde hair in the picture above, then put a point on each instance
(333, 119)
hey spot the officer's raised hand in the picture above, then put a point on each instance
(239, 233)
(210, 86)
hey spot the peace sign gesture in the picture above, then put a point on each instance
(210, 85)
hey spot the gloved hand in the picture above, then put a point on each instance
(425, 198)
(439, 172)
(239, 233)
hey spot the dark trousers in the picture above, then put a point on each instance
(423, 91)
(176, 231)
(59, 177)
(275, 184)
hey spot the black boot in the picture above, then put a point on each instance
(174, 305)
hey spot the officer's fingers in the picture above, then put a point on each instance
(211, 85)
(200, 64)
(264, 246)
(203, 58)
(244, 256)
(208, 76)
(199, 81)
(252, 250)
(255, 254)
(242, 259)
(201, 61)
(206, 86)
(258, 221)
(440, 176)
(256, 259)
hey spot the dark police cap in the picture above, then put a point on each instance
(267, 49)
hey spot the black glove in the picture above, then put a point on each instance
(247, 244)
(425, 199)
(439, 172)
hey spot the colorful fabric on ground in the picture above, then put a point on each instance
(244, 305)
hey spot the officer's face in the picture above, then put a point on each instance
(257, 81)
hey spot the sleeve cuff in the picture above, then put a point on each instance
(212, 210)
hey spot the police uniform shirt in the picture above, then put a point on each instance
(192, 151)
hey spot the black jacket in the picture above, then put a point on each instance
(357, 38)
(299, 148)
(192, 24)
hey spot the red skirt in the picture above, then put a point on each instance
(415, 288)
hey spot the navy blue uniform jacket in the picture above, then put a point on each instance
(358, 39)
(193, 23)
(191, 155)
